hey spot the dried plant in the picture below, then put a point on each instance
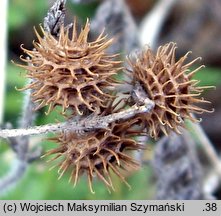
(168, 83)
(98, 152)
(99, 137)
(71, 72)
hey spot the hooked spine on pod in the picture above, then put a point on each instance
(168, 84)
(98, 152)
(71, 72)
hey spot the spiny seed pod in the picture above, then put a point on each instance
(97, 152)
(70, 71)
(168, 83)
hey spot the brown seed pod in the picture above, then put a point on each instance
(70, 71)
(96, 153)
(168, 83)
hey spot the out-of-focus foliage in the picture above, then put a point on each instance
(22, 12)
(209, 76)
(82, 10)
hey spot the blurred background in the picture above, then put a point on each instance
(193, 25)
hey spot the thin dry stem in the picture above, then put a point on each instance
(207, 147)
(85, 124)
(152, 23)
(20, 145)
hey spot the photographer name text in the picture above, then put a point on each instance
(95, 208)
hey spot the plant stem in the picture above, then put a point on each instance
(84, 124)
(152, 23)
(207, 146)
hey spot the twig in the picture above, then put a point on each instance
(115, 17)
(3, 49)
(211, 182)
(208, 148)
(85, 124)
(17, 171)
(215, 175)
(20, 145)
(152, 23)
(55, 17)
(178, 172)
